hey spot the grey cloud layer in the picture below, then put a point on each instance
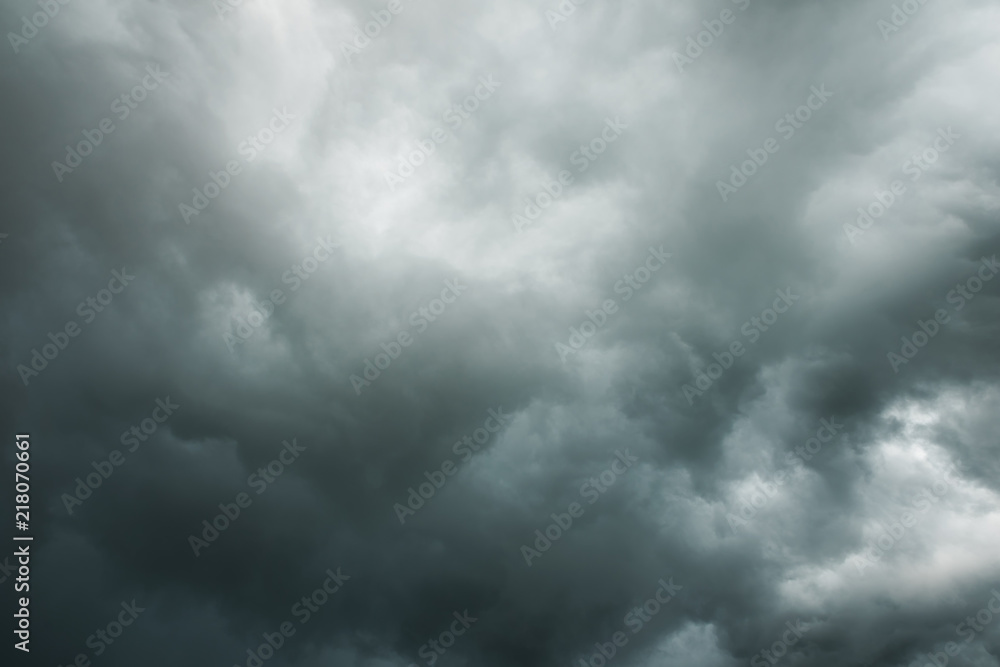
(201, 281)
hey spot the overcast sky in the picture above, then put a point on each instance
(702, 292)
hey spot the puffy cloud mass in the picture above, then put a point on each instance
(391, 333)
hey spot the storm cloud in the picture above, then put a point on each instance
(392, 333)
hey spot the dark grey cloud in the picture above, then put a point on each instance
(376, 322)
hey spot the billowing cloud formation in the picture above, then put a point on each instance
(393, 333)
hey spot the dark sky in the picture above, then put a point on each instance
(702, 292)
